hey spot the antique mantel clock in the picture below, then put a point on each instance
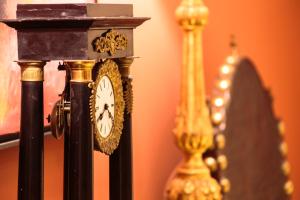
(107, 107)
(95, 43)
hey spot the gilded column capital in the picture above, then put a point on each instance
(80, 70)
(124, 68)
(32, 70)
(124, 65)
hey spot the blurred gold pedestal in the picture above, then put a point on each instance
(191, 180)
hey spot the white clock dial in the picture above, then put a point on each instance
(105, 107)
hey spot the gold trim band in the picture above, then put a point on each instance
(81, 70)
(124, 68)
(124, 65)
(32, 70)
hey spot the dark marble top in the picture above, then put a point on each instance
(37, 16)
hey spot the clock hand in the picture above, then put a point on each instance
(101, 115)
(110, 115)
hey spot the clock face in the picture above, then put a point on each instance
(105, 107)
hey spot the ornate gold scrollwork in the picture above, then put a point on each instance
(128, 95)
(110, 42)
(107, 145)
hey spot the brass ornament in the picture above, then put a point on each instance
(286, 168)
(220, 141)
(80, 70)
(32, 70)
(219, 104)
(222, 162)
(289, 187)
(191, 179)
(211, 164)
(225, 184)
(110, 42)
(128, 95)
(283, 148)
(107, 145)
(281, 128)
(217, 117)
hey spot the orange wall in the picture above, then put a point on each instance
(267, 32)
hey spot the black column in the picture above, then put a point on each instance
(81, 144)
(66, 163)
(120, 166)
(30, 181)
(120, 162)
(66, 96)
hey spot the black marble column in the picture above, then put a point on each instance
(66, 97)
(120, 162)
(81, 144)
(30, 181)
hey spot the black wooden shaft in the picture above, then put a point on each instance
(81, 144)
(30, 182)
(66, 163)
(66, 96)
(120, 165)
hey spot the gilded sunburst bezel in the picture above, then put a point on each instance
(107, 145)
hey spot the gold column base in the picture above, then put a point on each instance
(80, 70)
(191, 179)
(193, 184)
(32, 70)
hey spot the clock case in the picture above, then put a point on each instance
(66, 32)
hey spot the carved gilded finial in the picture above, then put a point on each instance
(233, 43)
(232, 59)
(193, 132)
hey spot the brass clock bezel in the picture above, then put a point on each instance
(107, 145)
